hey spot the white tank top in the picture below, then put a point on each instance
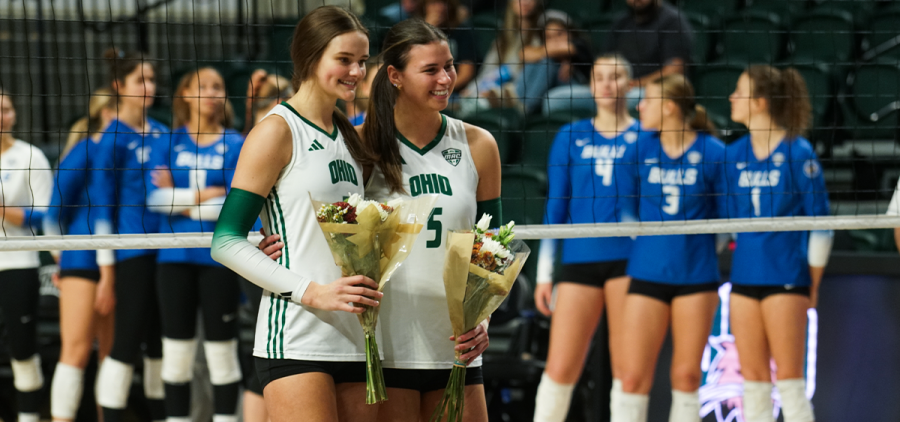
(320, 166)
(414, 319)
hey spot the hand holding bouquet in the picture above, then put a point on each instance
(372, 239)
(479, 271)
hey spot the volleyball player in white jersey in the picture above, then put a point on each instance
(427, 152)
(424, 152)
(26, 182)
(894, 209)
(310, 352)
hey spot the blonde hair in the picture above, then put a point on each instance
(181, 111)
(87, 126)
(677, 89)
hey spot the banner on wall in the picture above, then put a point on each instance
(722, 389)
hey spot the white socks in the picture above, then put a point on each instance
(794, 404)
(627, 407)
(29, 417)
(65, 391)
(224, 418)
(685, 406)
(758, 401)
(113, 384)
(552, 401)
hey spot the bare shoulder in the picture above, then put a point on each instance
(480, 140)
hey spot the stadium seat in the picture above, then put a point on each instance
(823, 36)
(752, 36)
(598, 31)
(704, 34)
(883, 40)
(781, 7)
(858, 8)
(578, 9)
(869, 101)
(713, 85)
(822, 86)
(524, 194)
(538, 138)
(504, 124)
(709, 7)
(280, 33)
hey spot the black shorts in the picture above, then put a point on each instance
(668, 292)
(762, 292)
(269, 370)
(91, 275)
(427, 380)
(593, 274)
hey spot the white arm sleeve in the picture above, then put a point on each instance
(819, 247)
(171, 200)
(244, 258)
(545, 261)
(894, 207)
(208, 210)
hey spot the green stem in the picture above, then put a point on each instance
(375, 388)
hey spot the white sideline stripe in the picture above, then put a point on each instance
(551, 231)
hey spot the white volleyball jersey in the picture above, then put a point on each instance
(414, 319)
(26, 181)
(320, 166)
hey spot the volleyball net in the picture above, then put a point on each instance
(848, 51)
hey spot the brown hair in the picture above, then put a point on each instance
(87, 126)
(677, 89)
(311, 37)
(619, 60)
(121, 63)
(181, 111)
(380, 129)
(274, 88)
(453, 16)
(512, 28)
(786, 94)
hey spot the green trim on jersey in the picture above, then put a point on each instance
(332, 135)
(432, 144)
(493, 207)
(277, 320)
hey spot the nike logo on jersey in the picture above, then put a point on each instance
(315, 146)
(603, 151)
(740, 166)
(753, 179)
(342, 171)
(429, 183)
(662, 176)
(581, 142)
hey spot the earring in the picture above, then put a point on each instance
(395, 86)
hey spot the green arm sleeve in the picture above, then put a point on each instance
(493, 207)
(231, 248)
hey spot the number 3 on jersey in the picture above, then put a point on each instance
(673, 198)
(437, 227)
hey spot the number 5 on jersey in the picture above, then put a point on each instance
(437, 227)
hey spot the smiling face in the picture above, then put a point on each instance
(343, 65)
(429, 77)
(7, 116)
(609, 83)
(205, 95)
(139, 87)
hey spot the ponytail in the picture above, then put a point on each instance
(701, 121)
(351, 138)
(91, 124)
(787, 97)
(380, 130)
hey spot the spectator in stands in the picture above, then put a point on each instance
(655, 37)
(504, 61)
(358, 7)
(564, 62)
(448, 15)
(264, 92)
(399, 11)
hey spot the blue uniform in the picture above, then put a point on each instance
(193, 168)
(787, 183)
(70, 211)
(358, 119)
(587, 179)
(121, 162)
(690, 187)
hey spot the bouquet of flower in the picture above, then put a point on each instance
(479, 271)
(372, 239)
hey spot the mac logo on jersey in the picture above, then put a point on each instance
(694, 157)
(341, 171)
(452, 155)
(630, 137)
(220, 148)
(811, 168)
(778, 159)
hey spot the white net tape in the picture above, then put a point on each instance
(549, 231)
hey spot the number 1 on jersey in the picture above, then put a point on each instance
(754, 198)
(437, 227)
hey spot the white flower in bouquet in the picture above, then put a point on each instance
(495, 248)
(383, 213)
(354, 200)
(485, 223)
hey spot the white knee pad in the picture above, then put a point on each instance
(552, 401)
(65, 391)
(794, 404)
(179, 419)
(224, 418)
(758, 402)
(685, 406)
(178, 360)
(627, 407)
(113, 384)
(153, 382)
(222, 360)
(29, 417)
(27, 375)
